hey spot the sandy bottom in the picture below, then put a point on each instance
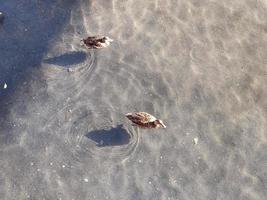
(198, 65)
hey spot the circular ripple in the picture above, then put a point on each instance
(89, 133)
(72, 79)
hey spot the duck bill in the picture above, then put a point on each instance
(163, 125)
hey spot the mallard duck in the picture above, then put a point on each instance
(96, 42)
(145, 120)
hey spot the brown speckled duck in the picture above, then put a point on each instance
(145, 120)
(96, 42)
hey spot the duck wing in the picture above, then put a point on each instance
(146, 117)
(140, 117)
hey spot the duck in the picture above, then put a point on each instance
(145, 120)
(96, 42)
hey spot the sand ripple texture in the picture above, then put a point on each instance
(199, 65)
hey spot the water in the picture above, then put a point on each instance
(200, 66)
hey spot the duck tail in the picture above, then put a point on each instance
(128, 114)
(82, 42)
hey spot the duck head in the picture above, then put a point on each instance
(159, 124)
(107, 40)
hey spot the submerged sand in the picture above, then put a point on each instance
(199, 65)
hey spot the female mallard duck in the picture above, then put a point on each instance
(145, 120)
(96, 42)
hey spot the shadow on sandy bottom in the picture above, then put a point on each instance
(29, 29)
(69, 58)
(113, 137)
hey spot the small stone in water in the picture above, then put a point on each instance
(86, 180)
(195, 140)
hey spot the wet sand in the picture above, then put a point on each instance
(198, 65)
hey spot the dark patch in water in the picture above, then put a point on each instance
(113, 137)
(70, 58)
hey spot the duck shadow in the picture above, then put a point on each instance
(113, 137)
(69, 58)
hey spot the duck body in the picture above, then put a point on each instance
(96, 42)
(145, 120)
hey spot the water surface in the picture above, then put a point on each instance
(199, 65)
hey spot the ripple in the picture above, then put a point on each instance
(83, 129)
(72, 79)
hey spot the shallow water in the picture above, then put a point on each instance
(198, 65)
